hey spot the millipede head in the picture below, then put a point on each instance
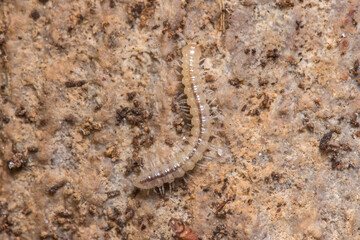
(191, 50)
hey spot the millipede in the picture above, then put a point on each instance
(166, 170)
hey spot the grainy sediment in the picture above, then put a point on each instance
(88, 93)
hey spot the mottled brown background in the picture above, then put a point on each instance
(88, 94)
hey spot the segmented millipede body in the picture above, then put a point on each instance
(165, 170)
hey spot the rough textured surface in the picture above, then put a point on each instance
(88, 94)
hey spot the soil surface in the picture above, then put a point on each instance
(90, 92)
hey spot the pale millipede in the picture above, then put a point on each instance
(161, 171)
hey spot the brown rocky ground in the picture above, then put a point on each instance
(88, 94)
